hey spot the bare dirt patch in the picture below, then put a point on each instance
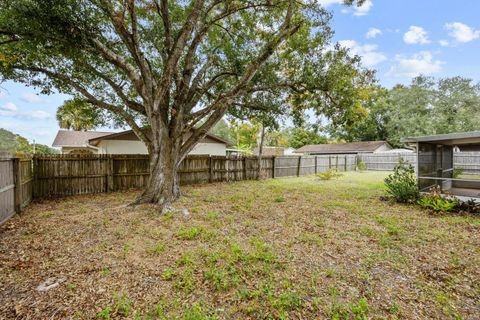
(286, 248)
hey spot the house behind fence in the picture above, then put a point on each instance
(22, 179)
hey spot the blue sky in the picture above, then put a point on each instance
(398, 38)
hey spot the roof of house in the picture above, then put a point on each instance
(67, 138)
(270, 151)
(350, 147)
(449, 138)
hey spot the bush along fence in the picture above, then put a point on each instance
(23, 179)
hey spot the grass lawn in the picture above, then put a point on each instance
(296, 248)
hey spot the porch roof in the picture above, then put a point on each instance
(459, 138)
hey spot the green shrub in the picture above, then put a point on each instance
(437, 202)
(329, 174)
(402, 183)
(361, 166)
(457, 172)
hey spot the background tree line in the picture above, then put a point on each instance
(427, 106)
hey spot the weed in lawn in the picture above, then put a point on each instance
(185, 280)
(186, 259)
(447, 306)
(338, 310)
(71, 286)
(105, 271)
(156, 248)
(394, 308)
(311, 238)
(105, 313)
(218, 278)
(262, 251)
(189, 233)
(120, 233)
(122, 304)
(156, 312)
(47, 214)
(279, 198)
(105, 221)
(212, 215)
(168, 274)
(209, 234)
(360, 309)
(127, 247)
(168, 216)
(330, 272)
(197, 312)
(288, 300)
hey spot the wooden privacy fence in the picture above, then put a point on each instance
(59, 175)
(16, 183)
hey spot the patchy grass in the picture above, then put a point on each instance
(296, 248)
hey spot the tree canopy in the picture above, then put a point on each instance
(79, 115)
(426, 106)
(15, 143)
(172, 69)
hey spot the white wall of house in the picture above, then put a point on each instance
(67, 150)
(214, 149)
(138, 147)
(121, 147)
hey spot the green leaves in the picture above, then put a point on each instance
(402, 183)
(79, 115)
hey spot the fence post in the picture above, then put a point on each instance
(210, 169)
(17, 181)
(336, 163)
(35, 177)
(244, 161)
(329, 162)
(345, 164)
(316, 164)
(273, 167)
(110, 180)
(299, 165)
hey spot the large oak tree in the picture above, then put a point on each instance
(171, 69)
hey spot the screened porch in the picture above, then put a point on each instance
(436, 164)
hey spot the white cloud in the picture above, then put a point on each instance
(461, 32)
(31, 98)
(9, 109)
(358, 11)
(364, 8)
(368, 52)
(443, 43)
(420, 63)
(35, 115)
(416, 35)
(9, 106)
(2, 94)
(373, 32)
(327, 3)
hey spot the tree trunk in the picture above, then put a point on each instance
(163, 186)
(260, 154)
